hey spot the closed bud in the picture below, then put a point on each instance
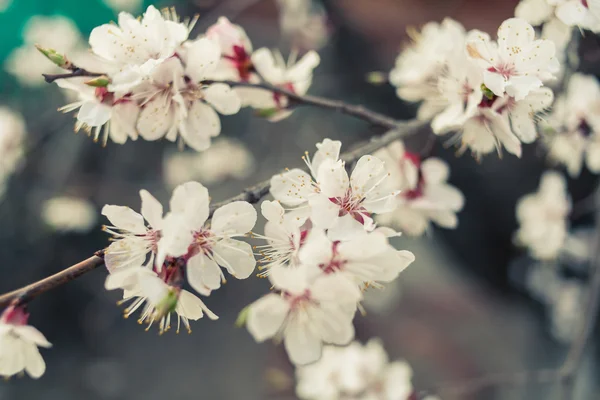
(55, 57)
(101, 81)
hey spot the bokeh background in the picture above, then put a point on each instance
(471, 304)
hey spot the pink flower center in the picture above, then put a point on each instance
(278, 97)
(585, 3)
(506, 70)
(202, 243)
(351, 204)
(242, 62)
(297, 301)
(336, 263)
(15, 315)
(417, 192)
(172, 271)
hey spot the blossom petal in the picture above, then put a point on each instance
(152, 210)
(34, 363)
(266, 316)
(94, 113)
(191, 307)
(317, 249)
(323, 212)
(201, 124)
(435, 171)
(202, 58)
(32, 335)
(203, 273)
(222, 98)
(332, 178)
(236, 256)
(292, 187)
(367, 174)
(302, 345)
(155, 119)
(125, 218)
(236, 218)
(191, 198)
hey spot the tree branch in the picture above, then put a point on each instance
(66, 275)
(75, 72)
(252, 195)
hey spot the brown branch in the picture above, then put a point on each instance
(357, 111)
(66, 275)
(75, 72)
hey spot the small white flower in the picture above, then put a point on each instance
(69, 214)
(426, 196)
(134, 240)
(12, 137)
(517, 63)
(366, 259)
(100, 111)
(575, 119)
(294, 76)
(311, 309)
(19, 344)
(354, 372)
(159, 299)
(204, 246)
(334, 201)
(543, 217)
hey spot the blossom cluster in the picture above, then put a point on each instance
(489, 91)
(152, 253)
(323, 249)
(157, 82)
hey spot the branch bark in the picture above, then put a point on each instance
(75, 72)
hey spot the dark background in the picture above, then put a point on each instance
(458, 316)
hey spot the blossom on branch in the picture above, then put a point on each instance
(19, 344)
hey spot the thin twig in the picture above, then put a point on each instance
(76, 72)
(66, 275)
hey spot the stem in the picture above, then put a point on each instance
(252, 195)
(337, 105)
(28, 292)
(73, 74)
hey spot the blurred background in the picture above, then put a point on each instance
(471, 304)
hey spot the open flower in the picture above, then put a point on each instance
(543, 217)
(158, 299)
(204, 246)
(366, 259)
(517, 63)
(293, 76)
(19, 344)
(236, 51)
(134, 240)
(426, 195)
(311, 309)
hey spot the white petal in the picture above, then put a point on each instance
(366, 245)
(323, 212)
(155, 119)
(266, 316)
(191, 199)
(368, 173)
(191, 307)
(435, 171)
(236, 256)
(327, 149)
(302, 345)
(238, 217)
(94, 113)
(34, 363)
(292, 187)
(152, 210)
(332, 178)
(222, 98)
(272, 211)
(32, 335)
(317, 249)
(201, 124)
(263, 61)
(124, 218)
(203, 273)
(202, 58)
(495, 82)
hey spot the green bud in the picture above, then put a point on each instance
(266, 112)
(101, 81)
(487, 92)
(167, 304)
(377, 78)
(55, 57)
(242, 317)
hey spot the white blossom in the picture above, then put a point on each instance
(207, 246)
(19, 344)
(294, 76)
(144, 287)
(12, 149)
(425, 194)
(303, 23)
(517, 63)
(358, 372)
(543, 217)
(124, 5)
(333, 200)
(367, 258)
(582, 13)
(236, 51)
(69, 214)
(575, 123)
(309, 309)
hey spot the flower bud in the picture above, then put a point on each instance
(55, 57)
(101, 81)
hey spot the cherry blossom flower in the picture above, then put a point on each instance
(582, 13)
(294, 76)
(101, 112)
(19, 344)
(204, 246)
(543, 217)
(159, 294)
(311, 309)
(367, 258)
(134, 240)
(426, 196)
(12, 137)
(236, 51)
(354, 372)
(334, 201)
(285, 234)
(303, 23)
(575, 121)
(133, 48)
(176, 101)
(517, 63)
